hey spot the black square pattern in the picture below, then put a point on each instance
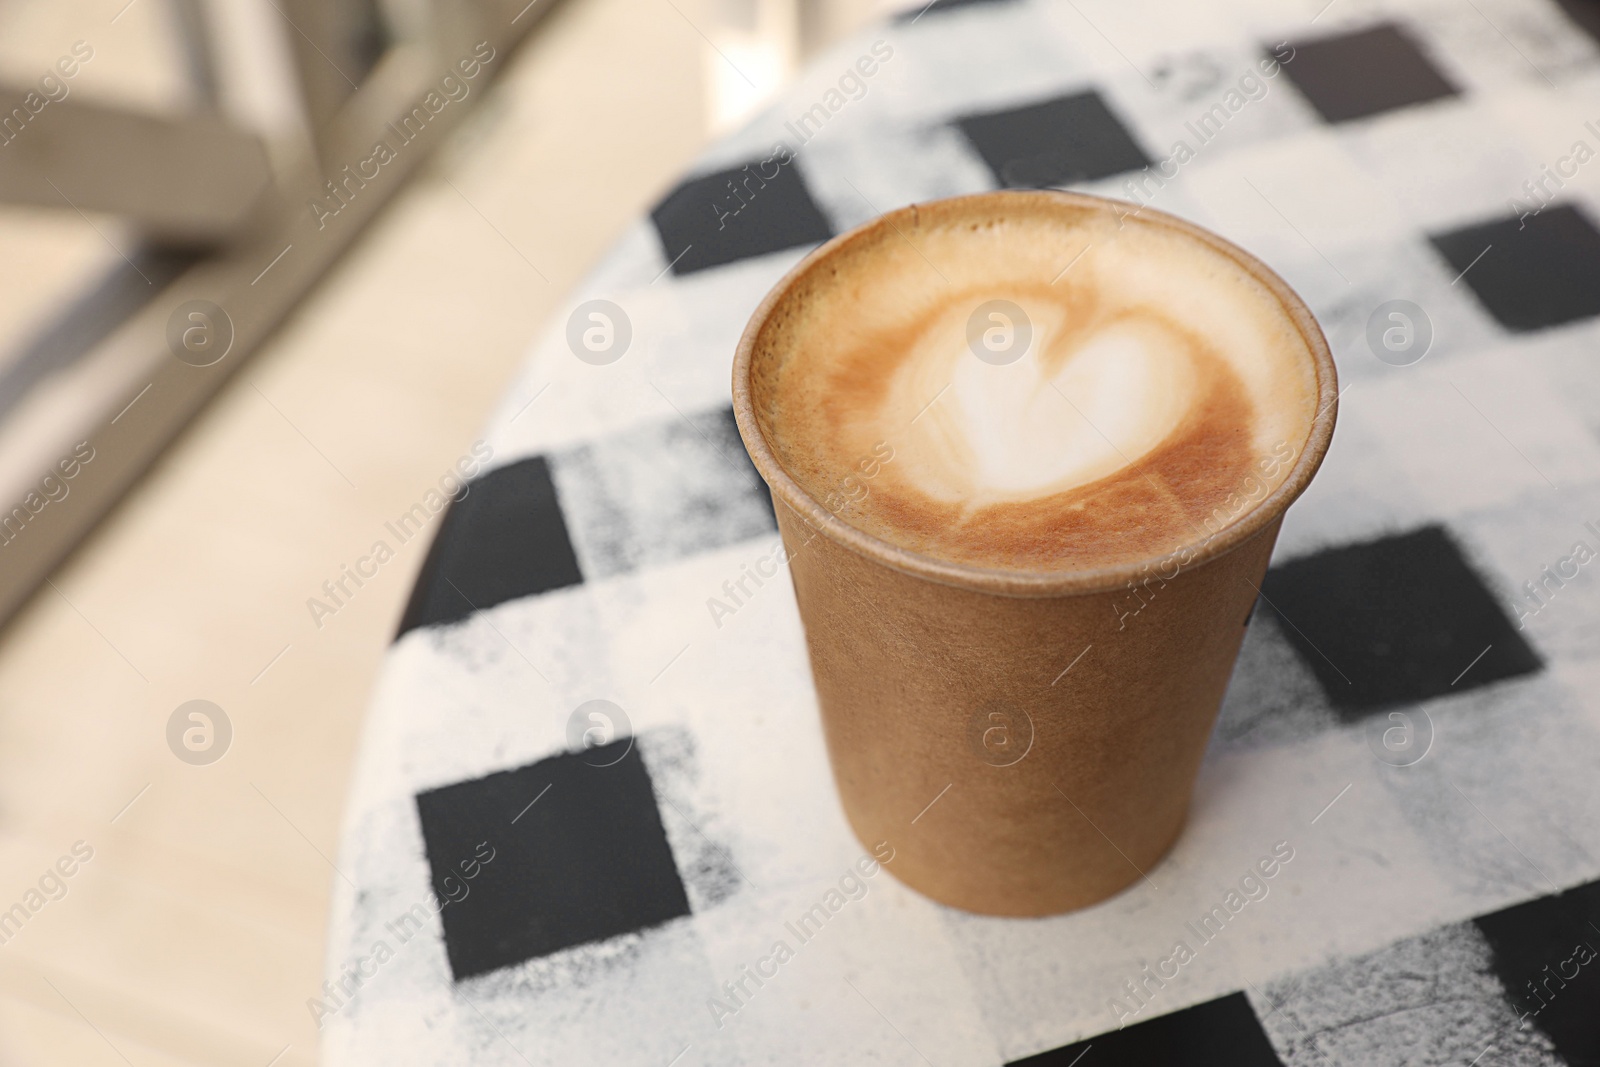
(1547, 956)
(505, 539)
(761, 207)
(1396, 620)
(1368, 72)
(1069, 139)
(1531, 272)
(1219, 1033)
(579, 856)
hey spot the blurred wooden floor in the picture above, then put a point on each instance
(195, 934)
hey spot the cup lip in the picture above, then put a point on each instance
(1021, 583)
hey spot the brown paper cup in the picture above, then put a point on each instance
(1027, 743)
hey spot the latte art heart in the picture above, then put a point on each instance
(1074, 409)
(1154, 386)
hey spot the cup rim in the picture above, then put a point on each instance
(1024, 583)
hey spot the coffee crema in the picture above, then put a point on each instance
(1152, 392)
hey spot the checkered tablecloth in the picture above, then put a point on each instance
(592, 820)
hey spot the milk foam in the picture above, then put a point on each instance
(1160, 378)
(1057, 418)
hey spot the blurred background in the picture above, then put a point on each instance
(234, 341)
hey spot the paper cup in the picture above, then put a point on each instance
(1027, 743)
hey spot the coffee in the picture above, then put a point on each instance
(1060, 385)
(1028, 458)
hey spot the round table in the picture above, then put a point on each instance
(592, 819)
